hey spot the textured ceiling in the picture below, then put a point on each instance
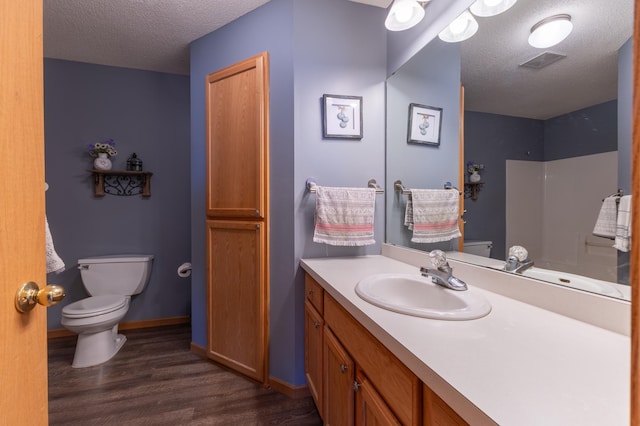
(155, 35)
(144, 34)
(587, 76)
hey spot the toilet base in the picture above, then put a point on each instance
(97, 348)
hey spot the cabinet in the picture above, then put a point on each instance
(236, 296)
(237, 205)
(313, 340)
(362, 382)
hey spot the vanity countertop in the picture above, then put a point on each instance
(519, 365)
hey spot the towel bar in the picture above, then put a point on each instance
(399, 187)
(311, 185)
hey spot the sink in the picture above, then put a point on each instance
(413, 294)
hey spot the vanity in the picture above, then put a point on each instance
(544, 354)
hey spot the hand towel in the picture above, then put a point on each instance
(408, 213)
(344, 216)
(606, 223)
(54, 263)
(623, 224)
(435, 215)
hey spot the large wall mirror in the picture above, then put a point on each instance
(551, 128)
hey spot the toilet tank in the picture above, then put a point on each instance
(125, 274)
(480, 248)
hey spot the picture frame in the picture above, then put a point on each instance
(425, 123)
(342, 116)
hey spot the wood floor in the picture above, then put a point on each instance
(156, 380)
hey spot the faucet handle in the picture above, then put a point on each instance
(438, 258)
(519, 252)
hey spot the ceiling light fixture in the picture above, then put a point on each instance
(486, 8)
(462, 28)
(405, 14)
(550, 31)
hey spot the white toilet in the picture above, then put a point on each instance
(111, 281)
(480, 248)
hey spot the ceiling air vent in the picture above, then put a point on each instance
(542, 60)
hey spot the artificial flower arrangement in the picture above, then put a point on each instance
(107, 147)
(474, 167)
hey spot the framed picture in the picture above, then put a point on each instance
(342, 116)
(424, 124)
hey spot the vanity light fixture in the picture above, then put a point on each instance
(550, 31)
(405, 14)
(462, 28)
(486, 8)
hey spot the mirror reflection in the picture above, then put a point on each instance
(548, 131)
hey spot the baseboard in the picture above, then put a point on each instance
(131, 325)
(293, 392)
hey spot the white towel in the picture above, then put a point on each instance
(606, 223)
(435, 215)
(344, 216)
(54, 263)
(623, 224)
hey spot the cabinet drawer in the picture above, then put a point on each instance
(314, 293)
(397, 385)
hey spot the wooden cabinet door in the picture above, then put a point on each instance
(237, 296)
(237, 117)
(338, 382)
(371, 409)
(438, 413)
(313, 326)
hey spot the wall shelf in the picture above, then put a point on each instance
(121, 182)
(471, 189)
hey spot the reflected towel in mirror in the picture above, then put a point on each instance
(623, 225)
(435, 215)
(606, 223)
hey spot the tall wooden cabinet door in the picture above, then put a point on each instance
(237, 100)
(339, 377)
(313, 326)
(371, 410)
(237, 296)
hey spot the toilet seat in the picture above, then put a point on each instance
(94, 306)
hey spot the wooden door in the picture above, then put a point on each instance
(237, 298)
(371, 409)
(237, 134)
(339, 377)
(313, 329)
(23, 352)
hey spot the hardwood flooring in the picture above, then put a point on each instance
(156, 380)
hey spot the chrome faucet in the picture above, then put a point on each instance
(518, 260)
(441, 273)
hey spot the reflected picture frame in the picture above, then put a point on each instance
(425, 123)
(342, 116)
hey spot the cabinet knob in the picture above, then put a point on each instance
(310, 291)
(316, 324)
(343, 368)
(356, 386)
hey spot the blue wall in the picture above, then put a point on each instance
(307, 58)
(144, 112)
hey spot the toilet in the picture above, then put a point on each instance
(110, 281)
(479, 248)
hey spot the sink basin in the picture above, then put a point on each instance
(413, 294)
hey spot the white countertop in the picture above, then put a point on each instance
(519, 365)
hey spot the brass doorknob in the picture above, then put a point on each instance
(29, 294)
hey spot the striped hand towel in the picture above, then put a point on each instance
(606, 223)
(435, 215)
(408, 213)
(344, 216)
(623, 225)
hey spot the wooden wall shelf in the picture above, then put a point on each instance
(121, 182)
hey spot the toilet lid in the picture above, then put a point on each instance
(95, 305)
